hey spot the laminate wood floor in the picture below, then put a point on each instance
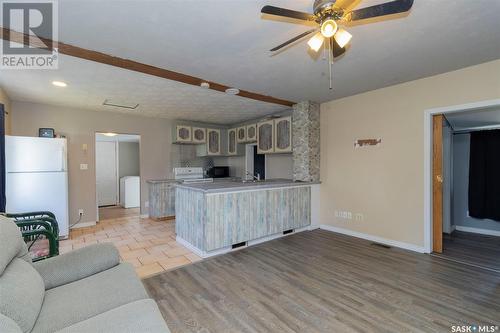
(474, 249)
(319, 281)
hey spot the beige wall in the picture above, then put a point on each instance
(386, 183)
(279, 166)
(129, 159)
(80, 127)
(4, 99)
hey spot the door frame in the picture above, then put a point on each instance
(428, 159)
(118, 169)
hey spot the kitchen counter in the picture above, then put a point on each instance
(159, 181)
(213, 217)
(161, 198)
(234, 186)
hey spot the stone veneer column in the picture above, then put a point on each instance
(306, 141)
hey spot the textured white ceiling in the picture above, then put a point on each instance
(89, 84)
(227, 41)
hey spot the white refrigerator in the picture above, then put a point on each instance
(37, 177)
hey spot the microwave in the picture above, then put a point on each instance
(218, 172)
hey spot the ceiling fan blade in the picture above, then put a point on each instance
(296, 38)
(287, 13)
(337, 50)
(388, 8)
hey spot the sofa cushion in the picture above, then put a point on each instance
(21, 293)
(11, 243)
(138, 316)
(77, 264)
(80, 300)
(8, 325)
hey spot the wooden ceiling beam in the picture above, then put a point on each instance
(103, 58)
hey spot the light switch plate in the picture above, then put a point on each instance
(84, 166)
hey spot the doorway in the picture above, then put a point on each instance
(255, 164)
(455, 232)
(117, 160)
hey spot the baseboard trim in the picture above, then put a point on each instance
(84, 225)
(477, 230)
(390, 242)
(224, 250)
(190, 247)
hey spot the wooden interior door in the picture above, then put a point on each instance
(437, 184)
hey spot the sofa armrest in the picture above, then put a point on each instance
(77, 264)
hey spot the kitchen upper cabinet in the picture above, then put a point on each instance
(241, 134)
(199, 135)
(265, 137)
(183, 133)
(252, 133)
(283, 135)
(213, 141)
(231, 142)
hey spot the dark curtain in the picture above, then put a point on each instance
(2, 158)
(484, 175)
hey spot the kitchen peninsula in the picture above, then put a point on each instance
(212, 218)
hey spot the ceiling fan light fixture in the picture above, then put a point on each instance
(316, 42)
(342, 37)
(328, 27)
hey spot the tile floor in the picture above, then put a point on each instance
(147, 244)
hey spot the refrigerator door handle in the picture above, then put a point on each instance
(63, 159)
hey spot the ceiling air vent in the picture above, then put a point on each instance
(131, 106)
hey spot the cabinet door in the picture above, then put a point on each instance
(283, 135)
(199, 135)
(265, 137)
(213, 138)
(183, 133)
(252, 133)
(231, 141)
(241, 134)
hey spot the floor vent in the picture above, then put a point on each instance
(235, 246)
(381, 245)
(286, 232)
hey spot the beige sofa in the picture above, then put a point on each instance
(86, 290)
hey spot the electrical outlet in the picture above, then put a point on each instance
(80, 212)
(84, 166)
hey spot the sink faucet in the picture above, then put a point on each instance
(257, 177)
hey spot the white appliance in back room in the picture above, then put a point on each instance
(37, 177)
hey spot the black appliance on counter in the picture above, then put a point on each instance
(218, 172)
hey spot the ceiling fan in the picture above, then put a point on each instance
(328, 14)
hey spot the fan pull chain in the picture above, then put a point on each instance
(330, 61)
